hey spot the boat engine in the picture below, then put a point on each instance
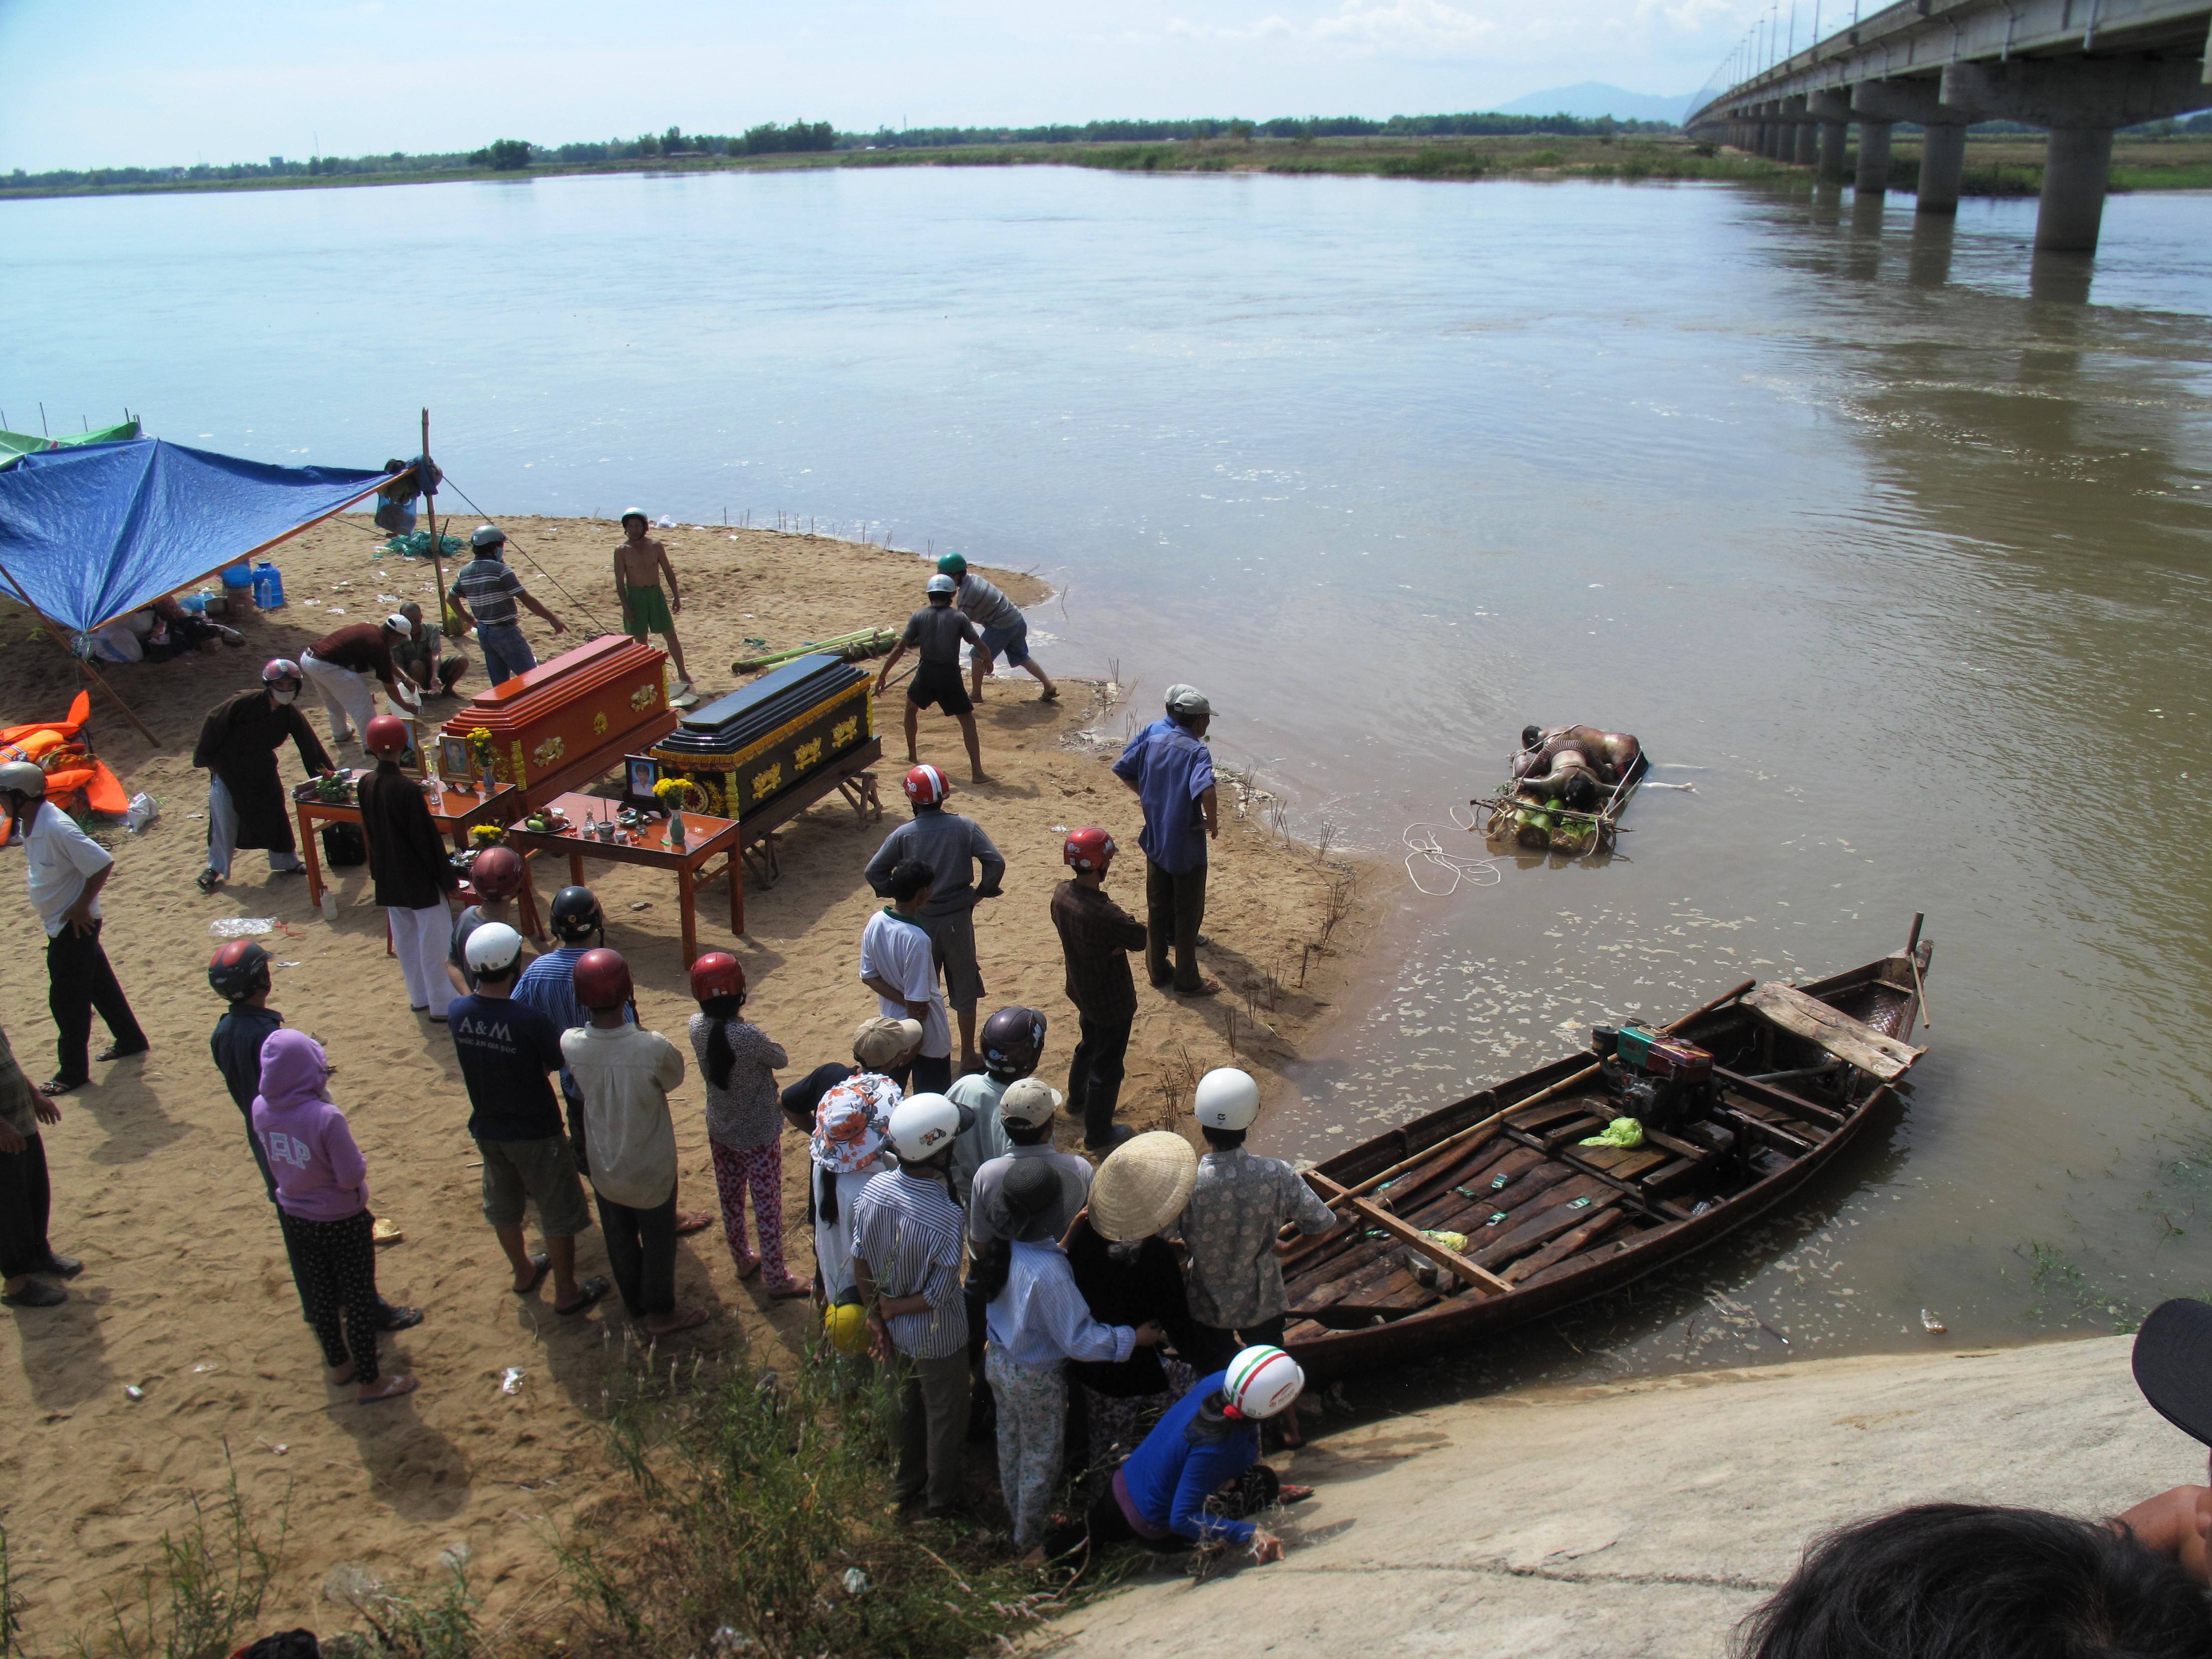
(1661, 1081)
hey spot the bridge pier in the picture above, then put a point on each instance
(1831, 108)
(1808, 143)
(1874, 157)
(1942, 166)
(2081, 101)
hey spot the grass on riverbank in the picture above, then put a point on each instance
(1996, 165)
(757, 1522)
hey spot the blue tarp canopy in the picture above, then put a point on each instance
(92, 533)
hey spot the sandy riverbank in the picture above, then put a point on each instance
(1644, 1518)
(184, 1292)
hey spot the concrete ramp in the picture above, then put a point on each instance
(1642, 1521)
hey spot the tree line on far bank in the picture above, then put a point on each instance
(517, 155)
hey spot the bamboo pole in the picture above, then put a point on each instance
(430, 510)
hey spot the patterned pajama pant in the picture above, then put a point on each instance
(335, 1263)
(760, 1168)
(1032, 1417)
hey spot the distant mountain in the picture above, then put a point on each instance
(1587, 100)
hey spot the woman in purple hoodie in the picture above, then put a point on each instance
(322, 1203)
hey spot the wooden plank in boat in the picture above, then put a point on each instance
(1788, 1099)
(1621, 1163)
(1411, 1237)
(1848, 1039)
(1536, 1119)
(1532, 1176)
(1670, 1177)
(1768, 1134)
(1565, 1245)
(1567, 1134)
(1569, 1204)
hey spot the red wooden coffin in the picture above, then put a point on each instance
(607, 695)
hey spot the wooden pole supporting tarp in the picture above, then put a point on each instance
(85, 663)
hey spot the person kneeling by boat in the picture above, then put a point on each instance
(1197, 1473)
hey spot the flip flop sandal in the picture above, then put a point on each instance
(116, 1051)
(36, 1294)
(62, 1085)
(588, 1292)
(207, 881)
(540, 1264)
(1291, 1493)
(402, 1319)
(747, 1267)
(378, 1399)
(693, 1221)
(791, 1292)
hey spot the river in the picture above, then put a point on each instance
(1892, 548)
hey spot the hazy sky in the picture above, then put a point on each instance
(114, 81)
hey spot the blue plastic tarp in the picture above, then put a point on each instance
(91, 533)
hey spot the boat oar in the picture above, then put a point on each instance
(1540, 1096)
(1912, 959)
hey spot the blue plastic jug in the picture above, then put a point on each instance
(268, 587)
(238, 575)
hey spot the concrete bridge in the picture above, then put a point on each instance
(2080, 68)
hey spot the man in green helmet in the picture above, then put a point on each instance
(1005, 631)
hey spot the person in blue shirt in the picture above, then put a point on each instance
(548, 985)
(1197, 1473)
(1166, 765)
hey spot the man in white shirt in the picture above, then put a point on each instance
(68, 868)
(899, 964)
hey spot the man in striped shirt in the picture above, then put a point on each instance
(486, 592)
(906, 1264)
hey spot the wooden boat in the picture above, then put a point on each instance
(1549, 1222)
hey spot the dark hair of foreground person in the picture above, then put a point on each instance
(1969, 1581)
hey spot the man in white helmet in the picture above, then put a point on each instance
(509, 1052)
(906, 1263)
(1197, 1473)
(1236, 1210)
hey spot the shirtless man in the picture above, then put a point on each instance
(640, 562)
(1574, 761)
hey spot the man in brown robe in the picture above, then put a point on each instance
(237, 747)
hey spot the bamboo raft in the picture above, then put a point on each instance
(1548, 1222)
(1573, 832)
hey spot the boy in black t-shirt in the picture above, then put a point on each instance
(936, 633)
(509, 1052)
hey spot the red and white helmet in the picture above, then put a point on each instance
(1088, 849)
(1261, 1381)
(926, 787)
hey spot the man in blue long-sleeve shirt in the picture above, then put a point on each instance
(952, 846)
(1205, 1449)
(1168, 769)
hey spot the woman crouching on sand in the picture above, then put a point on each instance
(322, 1203)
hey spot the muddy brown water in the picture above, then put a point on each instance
(1892, 544)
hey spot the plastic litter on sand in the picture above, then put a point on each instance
(242, 926)
(510, 1380)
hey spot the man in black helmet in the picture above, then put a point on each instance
(485, 591)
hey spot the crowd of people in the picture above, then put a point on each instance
(954, 1245)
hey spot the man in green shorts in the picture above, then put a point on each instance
(639, 563)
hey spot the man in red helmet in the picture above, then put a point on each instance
(237, 747)
(1096, 938)
(497, 875)
(952, 846)
(625, 1073)
(408, 864)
